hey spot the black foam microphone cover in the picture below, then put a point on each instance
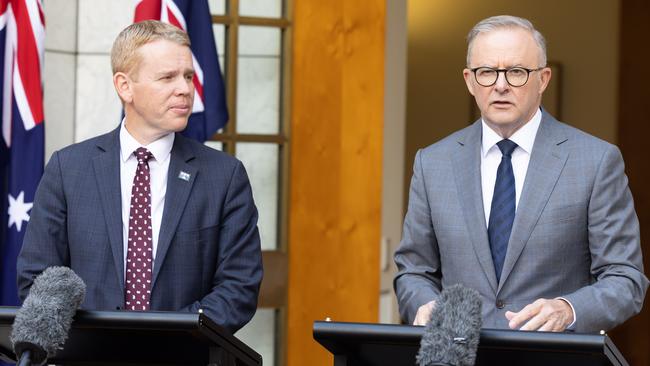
(451, 337)
(42, 324)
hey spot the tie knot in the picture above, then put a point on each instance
(143, 155)
(507, 147)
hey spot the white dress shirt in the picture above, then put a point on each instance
(158, 167)
(491, 158)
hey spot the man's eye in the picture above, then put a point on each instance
(485, 72)
(517, 72)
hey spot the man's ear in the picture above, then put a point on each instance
(122, 84)
(545, 75)
(467, 75)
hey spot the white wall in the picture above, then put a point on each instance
(79, 98)
(394, 149)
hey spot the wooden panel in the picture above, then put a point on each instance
(633, 337)
(273, 292)
(335, 176)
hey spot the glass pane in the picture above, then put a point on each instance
(217, 145)
(261, 8)
(261, 162)
(219, 31)
(258, 80)
(258, 96)
(259, 334)
(259, 41)
(217, 7)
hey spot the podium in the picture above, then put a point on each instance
(141, 338)
(363, 344)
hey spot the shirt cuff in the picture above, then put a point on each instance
(570, 327)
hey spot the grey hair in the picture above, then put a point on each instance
(506, 21)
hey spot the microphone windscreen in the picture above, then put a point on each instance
(451, 337)
(44, 320)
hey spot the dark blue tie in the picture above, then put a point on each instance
(502, 213)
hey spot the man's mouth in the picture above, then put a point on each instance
(180, 108)
(501, 103)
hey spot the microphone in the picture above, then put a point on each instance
(451, 336)
(41, 325)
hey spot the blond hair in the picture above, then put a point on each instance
(124, 55)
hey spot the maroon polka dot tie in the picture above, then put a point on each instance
(139, 262)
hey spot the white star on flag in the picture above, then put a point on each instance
(18, 209)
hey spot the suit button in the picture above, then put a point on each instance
(500, 304)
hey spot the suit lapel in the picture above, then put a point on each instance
(107, 173)
(467, 173)
(546, 163)
(180, 179)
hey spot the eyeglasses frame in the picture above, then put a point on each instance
(505, 74)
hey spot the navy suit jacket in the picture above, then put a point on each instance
(208, 255)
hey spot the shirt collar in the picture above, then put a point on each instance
(523, 137)
(160, 149)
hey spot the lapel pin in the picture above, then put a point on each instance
(184, 176)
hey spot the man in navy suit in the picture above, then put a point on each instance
(149, 219)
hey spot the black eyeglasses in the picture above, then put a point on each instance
(515, 76)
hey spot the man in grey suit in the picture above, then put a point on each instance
(149, 219)
(535, 215)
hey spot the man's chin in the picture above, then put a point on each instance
(502, 117)
(179, 124)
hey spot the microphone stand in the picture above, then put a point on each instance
(25, 358)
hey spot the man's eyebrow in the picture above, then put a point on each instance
(166, 72)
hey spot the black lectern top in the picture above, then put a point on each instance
(363, 344)
(141, 338)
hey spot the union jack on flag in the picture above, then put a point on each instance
(22, 32)
(209, 112)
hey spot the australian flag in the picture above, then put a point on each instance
(22, 32)
(209, 113)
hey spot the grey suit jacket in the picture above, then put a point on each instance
(208, 254)
(575, 234)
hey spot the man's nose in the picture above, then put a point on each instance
(184, 86)
(501, 83)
